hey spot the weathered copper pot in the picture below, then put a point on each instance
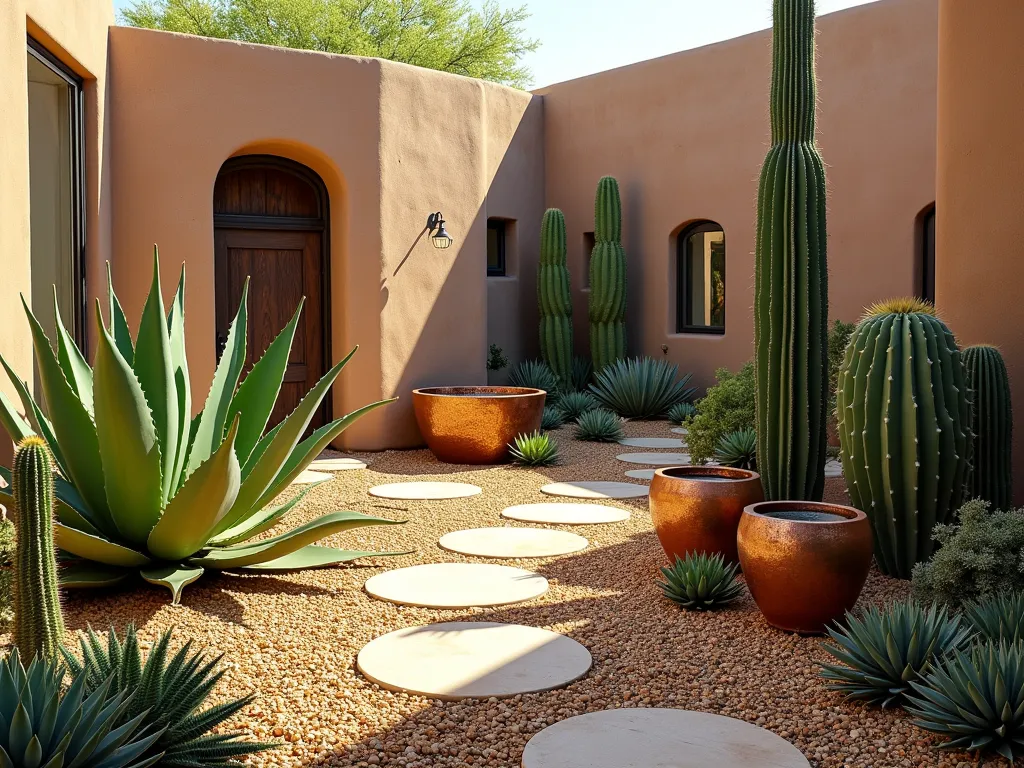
(697, 509)
(805, 562)
(474, 425)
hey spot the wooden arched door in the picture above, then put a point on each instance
(270, 225)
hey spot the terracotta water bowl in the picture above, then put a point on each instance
(805, 562)
(474, 425)
(697, 509)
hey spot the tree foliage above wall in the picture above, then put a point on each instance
(448, 35)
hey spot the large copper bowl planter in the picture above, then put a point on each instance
(474, 425)
(805, 562)
(697, 509)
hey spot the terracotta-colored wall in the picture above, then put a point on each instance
(75, 31)
(686, 135)
(391, 142)
(980, 180)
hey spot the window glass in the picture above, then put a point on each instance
(495, 247)
(700, 297)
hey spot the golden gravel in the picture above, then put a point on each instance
(294, 637)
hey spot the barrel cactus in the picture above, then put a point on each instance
(607, 278)
(904, 426)
(992, 426)
(791, 277)
(553, 297)
(38, 622)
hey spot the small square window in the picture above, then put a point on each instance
(495, 247)
(700, 279)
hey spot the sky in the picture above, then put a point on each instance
(580, 37)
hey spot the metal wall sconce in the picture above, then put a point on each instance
(440, 238)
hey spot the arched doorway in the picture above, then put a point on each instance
(270, 225)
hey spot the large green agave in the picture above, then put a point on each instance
(143, 490)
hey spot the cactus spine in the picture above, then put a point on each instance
(38, 622)
(992, 425)
(791, 277)
(553, 297)
(904, 427)
(607, 278)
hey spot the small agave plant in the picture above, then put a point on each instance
(701, 582)
(141, 489)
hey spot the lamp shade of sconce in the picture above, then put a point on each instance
(439, 235)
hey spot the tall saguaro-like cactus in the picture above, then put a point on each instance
(38, 622)
(992, 426)
(607, 307)
(791, 276)
(554, 298)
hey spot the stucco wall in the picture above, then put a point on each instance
(686, 135)
(392, 144)
(75, 31)
(980, 178)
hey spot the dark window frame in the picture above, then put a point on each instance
(500, 226)
(926, 252)
(76, 120)
(682, 286)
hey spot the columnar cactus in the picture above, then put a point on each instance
(992, 425)
(904, 416)
(38, 622)
(553, 297)
(791, 277)
(607, 278)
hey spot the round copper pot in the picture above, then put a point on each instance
(697, 509)
(474, 425)
(803, 574)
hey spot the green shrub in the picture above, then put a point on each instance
(838, 337)
(738, 449)
(981, 555)
(727, 407)
(640, 387)
(885, 649)
(496, 359)
(680, 412)
(599, 426)
(998, 618)
(552, 418)
(168, 697)
(536, 450)
(575, 404)
(701, 582)
(975, 699)
(7, 548)
(535, 374)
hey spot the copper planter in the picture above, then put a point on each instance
(805, 562)
(697, 509)
(474, 425)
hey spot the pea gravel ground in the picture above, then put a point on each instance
(294, 637)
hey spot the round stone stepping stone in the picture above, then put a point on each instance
(680, 430)
(653, 442)
(424, 491)
(337, 465)
(641, 474)
(660, 459)
(658, 738)
(567, 514)
(461, 660)
(595, 489)
(456, 585)
(512, 542)
(833, 469)
(307, 476)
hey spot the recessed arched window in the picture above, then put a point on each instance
(926, 252)
(700, 279)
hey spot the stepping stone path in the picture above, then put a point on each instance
(680, 430)
(308, 476)
(653, 442)
(833, 468)
(658, 738)
(456, 585)
(424, 491)
(659, 459)
(640, 474)
(458, 660)
(568, 514)
(512, 542)
(595, 489)
(337, 465)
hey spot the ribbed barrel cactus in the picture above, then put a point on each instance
(991, 476)
(554, 298)
(904, 427)
(607, 307)
(791, 277)
(146, 488)
(38, 621)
